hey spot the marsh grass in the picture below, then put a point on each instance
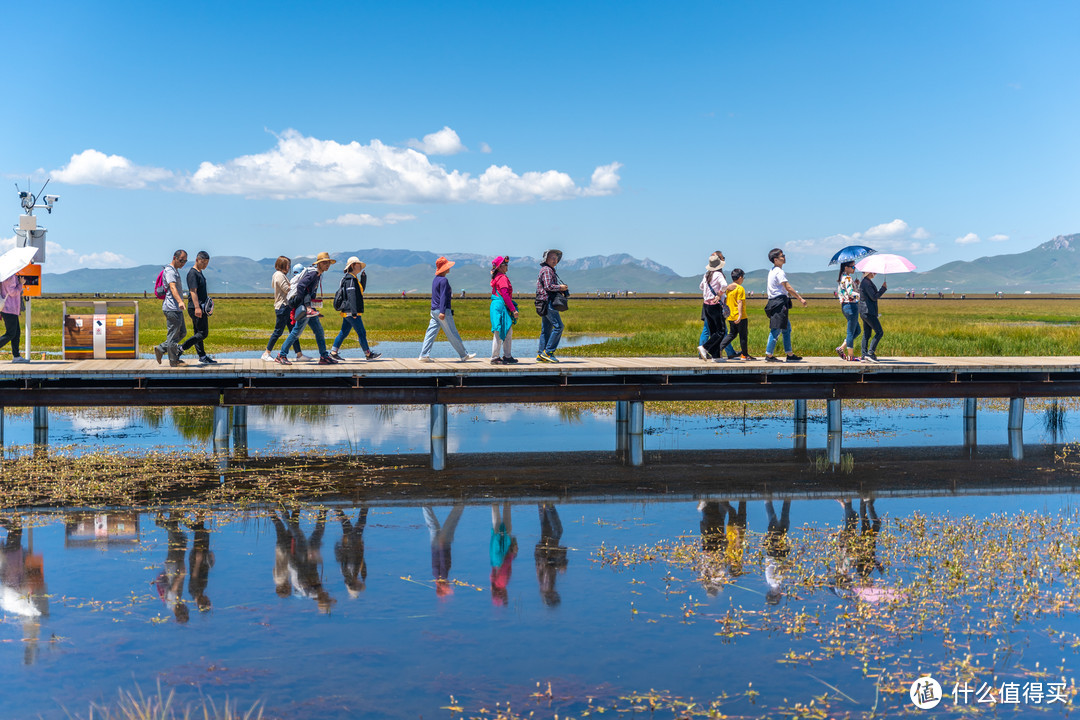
(1043, 326)
(159, 706)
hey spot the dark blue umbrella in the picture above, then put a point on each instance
(851, 253)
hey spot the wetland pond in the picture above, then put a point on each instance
(731, 575)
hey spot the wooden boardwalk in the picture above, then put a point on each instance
(445, 381)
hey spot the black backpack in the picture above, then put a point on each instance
(341, 297)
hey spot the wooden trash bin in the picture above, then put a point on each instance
(110, 331)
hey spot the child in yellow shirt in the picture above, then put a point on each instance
(737, 319)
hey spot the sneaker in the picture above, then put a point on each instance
(720, 359)
(299, 357)
(267, 357)
(496, 361)
(793, 358)
(336, 356)
(177, 363)
(771, 358)
(374, 356)
(327, 360)
(158, 354)
(840, 352)
(206, 360)
(428, 358)
(854, 359)
(748, 357)
(509, 360)
(551, 358)
(211, 360)
(542, 358)
(20, 359)
(874, 357)
(467, 358)
(282, 360)
(702, 353)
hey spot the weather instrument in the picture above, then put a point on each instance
(28, 234)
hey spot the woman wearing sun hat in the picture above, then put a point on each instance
(352, 310)
(503, 311)
(302, 298)
(442, 315)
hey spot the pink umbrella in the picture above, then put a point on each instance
(883, 264)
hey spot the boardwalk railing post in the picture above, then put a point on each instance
(800, 425)
(437, 423)
(239, 429)
(637, 433)
(833, 411)
(41, 426)
(622, 429)
(221, 429)
(971, 405)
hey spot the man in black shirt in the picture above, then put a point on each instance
(197, 297)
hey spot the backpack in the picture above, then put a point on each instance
(341, 297)
(292, 299)
(161, 288)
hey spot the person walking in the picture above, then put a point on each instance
(737, 319)
(173, 308)
(551, 325)
(352, 309)
(197, 308)
(11, 291)
(302, 295)
(503, 311)
(442, 315)
(282, 312)
(869, 294)
(713, 286)
(848, 295)
(778, 292)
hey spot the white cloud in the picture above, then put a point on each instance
(305, 167)
(998, 238)
(366, 219)
(59, 259)
(91, 167)
(485, 148)
(969, 239)
(443, 142)
(892, 237)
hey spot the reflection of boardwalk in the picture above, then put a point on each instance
(407, 381)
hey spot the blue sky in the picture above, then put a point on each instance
(668, 130)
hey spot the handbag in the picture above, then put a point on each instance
(208, 306)
(559, 301)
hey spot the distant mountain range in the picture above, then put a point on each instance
(1053, 266)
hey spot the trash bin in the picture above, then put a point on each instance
(109, 331)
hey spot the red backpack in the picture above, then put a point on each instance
(161, 288)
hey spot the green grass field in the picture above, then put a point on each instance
(1043, 326)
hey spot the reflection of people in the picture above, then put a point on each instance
(858, 544)
(736, 538)
(776, 550)
(714, 542)
(200, 562)
(303, 559)
(550, 554)
(170, 581)
(22, 585)
(442, 537)
(503, 552)
(350, 551)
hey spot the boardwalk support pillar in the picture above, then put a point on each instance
(239, 429)
(221, 429)
(971, 406)
(637, 432)
(437, 423)
(800, 425)
(622, 429)
(41, 425)
(833, 412)
(1016, 413)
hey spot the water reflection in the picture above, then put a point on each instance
(442, 537)
(777, 548)
(298, 559)
(22, 584)
(503, 551)
(170, 581)
(349, 551)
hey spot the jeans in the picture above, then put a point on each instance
(281, 322)
(302, 320)
(851, 312)
(705, 337)
(871, 323)
(551, 327)
(200, 327)
(175, 329)
(11, 332)
(774, 335)
(348, 323)
(448, 327)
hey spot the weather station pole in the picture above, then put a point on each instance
(28, 234)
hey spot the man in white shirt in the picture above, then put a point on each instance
(778, 293)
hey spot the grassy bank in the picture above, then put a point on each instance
(663, 327)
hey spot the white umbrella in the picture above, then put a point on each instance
(883, 264)
(15, 260)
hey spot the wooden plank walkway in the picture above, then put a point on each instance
(409, 381)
